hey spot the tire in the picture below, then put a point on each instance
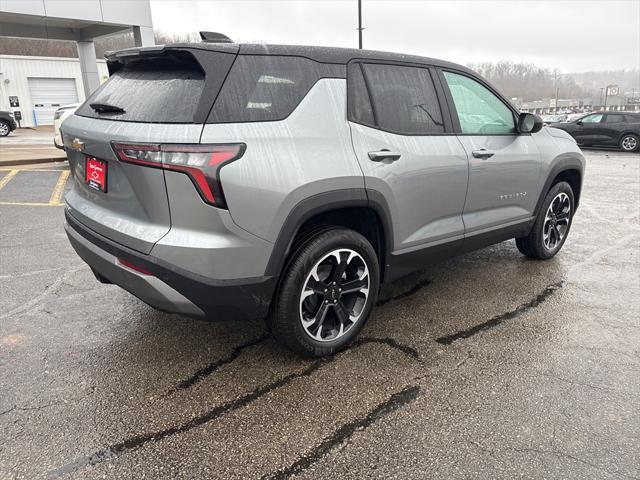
(309, 308)
(5, 129)
(544, 241)
(629, 143)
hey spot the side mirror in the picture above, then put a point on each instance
(529, 123)
(579, 122)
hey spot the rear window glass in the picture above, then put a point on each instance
(614, 118)
(266, 87)
(160, 90)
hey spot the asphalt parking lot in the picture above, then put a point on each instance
(486, 366)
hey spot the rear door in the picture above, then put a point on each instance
(612, 126)
(504, 166)
(164, 98)
(408, 154)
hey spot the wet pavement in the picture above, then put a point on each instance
(489, 365)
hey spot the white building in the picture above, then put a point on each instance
(41, 85)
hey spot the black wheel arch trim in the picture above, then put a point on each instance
(326, 202)
(562, 163)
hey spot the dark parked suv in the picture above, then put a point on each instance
(617, 129)
(7, 123)
(228, 181)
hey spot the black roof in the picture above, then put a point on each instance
(317, 53)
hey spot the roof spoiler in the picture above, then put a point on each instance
(214, 37)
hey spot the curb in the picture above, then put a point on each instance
(30, 161)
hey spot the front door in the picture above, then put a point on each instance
(504, 166)
(589, 129)
(408, 154)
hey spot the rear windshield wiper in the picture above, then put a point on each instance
(106, 108)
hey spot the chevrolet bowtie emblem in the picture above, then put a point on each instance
(76, 144)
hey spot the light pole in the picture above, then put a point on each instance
(555, 84)
(360, 24)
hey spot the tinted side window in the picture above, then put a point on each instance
(265, 88)
(361, 111)
(614, 118)
(404, 99)
(479, 110)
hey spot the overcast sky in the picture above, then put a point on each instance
(570, 35)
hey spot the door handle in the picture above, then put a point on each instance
(384, 154)
(483, 153)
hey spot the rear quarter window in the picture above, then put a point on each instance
(156, 90)
(267, 87)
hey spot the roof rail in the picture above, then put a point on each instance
(214, 37)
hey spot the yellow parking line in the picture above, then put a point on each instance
(33, 204)
(7, 177)
(58, 190)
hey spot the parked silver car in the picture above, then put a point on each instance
(231, 181)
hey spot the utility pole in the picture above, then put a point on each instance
(555, 84)
(360, 24)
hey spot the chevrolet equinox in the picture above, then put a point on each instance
(227, 181)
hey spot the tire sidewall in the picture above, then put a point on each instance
(560, 187)
(288, 298)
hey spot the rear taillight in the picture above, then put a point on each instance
(201, 162)
(133, 266)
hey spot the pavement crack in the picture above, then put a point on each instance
(8, 411)
(204, 372)
(391, 342)
(411, 291)
(138, 441)
(345, 432)
(499, 319)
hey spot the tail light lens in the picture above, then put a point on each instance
(202, 163)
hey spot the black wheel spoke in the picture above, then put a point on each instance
(340, 268)
(319, 319)
(317, 286)
(341, 313)
(354, 285)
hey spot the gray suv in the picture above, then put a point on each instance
(227, 181)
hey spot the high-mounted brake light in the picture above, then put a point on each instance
(202, 163)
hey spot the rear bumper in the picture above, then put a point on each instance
(170, 288)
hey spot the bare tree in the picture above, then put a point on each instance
(528, 81)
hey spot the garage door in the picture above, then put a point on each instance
(49, 94)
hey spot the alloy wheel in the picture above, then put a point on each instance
(4, 129)
(629, 143)
(556, 221)
(334, 295)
